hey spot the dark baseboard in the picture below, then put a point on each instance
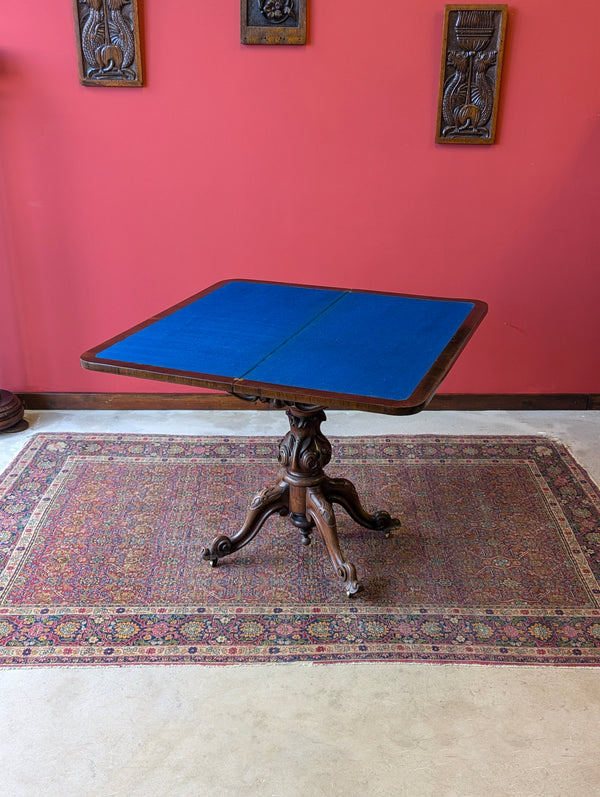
(221, 401)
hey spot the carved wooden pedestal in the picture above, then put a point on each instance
(306, 494)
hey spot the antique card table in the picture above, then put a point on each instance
(301, 348)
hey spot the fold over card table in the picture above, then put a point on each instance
(304, 349)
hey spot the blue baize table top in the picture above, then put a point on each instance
(372, 350)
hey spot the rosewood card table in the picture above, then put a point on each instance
(304, 349)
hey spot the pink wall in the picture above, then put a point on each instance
(312, 164)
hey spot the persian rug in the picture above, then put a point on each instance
(497, 559)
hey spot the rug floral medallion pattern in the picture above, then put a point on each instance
(497, 559)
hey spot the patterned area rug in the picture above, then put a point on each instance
(497, 560)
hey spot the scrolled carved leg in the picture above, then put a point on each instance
(343, 492)
(264, 504)
(320, 510)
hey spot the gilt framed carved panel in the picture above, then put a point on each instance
(273, 21)
(472, 52)
(108, 42)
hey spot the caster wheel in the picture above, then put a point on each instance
(214, 562)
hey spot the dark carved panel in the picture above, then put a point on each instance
(473, 47)
(108, 42)
(273, 21)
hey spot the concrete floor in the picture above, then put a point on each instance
(301, 730)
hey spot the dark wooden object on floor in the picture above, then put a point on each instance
(11, 413)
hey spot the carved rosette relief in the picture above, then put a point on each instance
(273, 21)
(469, 84)
(278, 11)
(108, 42)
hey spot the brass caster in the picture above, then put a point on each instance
(353, 589)
(352, 592)
(213, 562)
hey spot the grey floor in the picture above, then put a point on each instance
(304, 730)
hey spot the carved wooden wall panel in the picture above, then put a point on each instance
(108, 42)
(472, 51)
(273, 21)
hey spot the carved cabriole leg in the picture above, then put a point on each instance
(321, 511)
(264, 504)
(343, 492)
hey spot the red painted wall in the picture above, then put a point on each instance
(312, 164)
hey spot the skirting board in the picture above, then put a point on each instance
(220, 401)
